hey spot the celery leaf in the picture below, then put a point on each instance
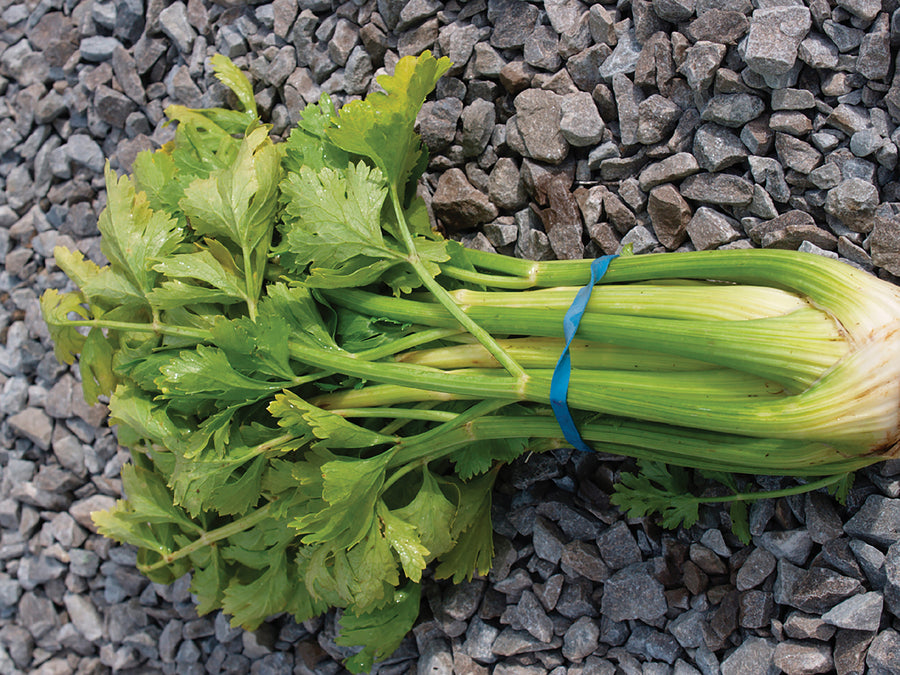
(381, 127)
(382, 630)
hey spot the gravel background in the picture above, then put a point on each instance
(566, 129)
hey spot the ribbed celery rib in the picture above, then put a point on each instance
(755, 361)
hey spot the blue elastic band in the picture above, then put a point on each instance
(559, 384)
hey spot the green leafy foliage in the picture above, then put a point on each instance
(381, 126)
(284, 451)
(381, 632)
(658, 489)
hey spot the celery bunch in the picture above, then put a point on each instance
(318, 389)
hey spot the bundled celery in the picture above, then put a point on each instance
(318, 389)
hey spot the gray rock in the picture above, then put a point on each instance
(802, 626)
(793, 99)
(796, 658)
(846, 38)
(628, 100)
(437, 122)
(540, 49)
(580, 122)
(859, 612)
(755, 570)
(826, 176)
(33, 424)
(865, 142)
(84, 151)
(717, 148)
(671, 169)
(511, 642)
(581, 639)
(173, 21)
(756, 609)
(581, 558)
(774, 38)
(547, 539)
(459, 205)
(874, 60)
(883, 657)
(709, 229)
(641, 240)
(538, 114)
(602, 24)
(478, 123)
(632, 593)
(530, 616)
(688, 628)
(652, 644)
(701, 61)
(84, 616)
(884, 243)
(853, 202)
(532, 243)
(656, 119)
(850, 648)
(576, 599)
(624, 57)
(796, 154)
(732, 110)
(507, 190)
(718, 188)
(890, 569)
(866, 10)
(819, 589)
(674, 11)
(479, 638)
(98, 48)
(791, 545)
(755, 656)
(461, 601)
(513, 21)
(342, 42)
(669, 214)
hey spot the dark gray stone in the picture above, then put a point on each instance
(717, 148)
(669, 170)
(173, 21)
(853, 202)
(540, 49)
(513, 22)
(580, 122)
(459, 205)
(701, 61)
(709, 229)
(652, 644)
(755, 656)
(796, 658)
(883, 657)
(478, 124)
(537, 119)
(732, 110)
(624, 57)
(819, 589)
(669, 214)
(890, 569)
(657, 118)
(632, 593)
(796, 154)
(717, 188)
(859, 612)
(774, 37)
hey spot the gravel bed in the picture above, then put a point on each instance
(566, 129)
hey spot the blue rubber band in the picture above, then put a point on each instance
(559, 384)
